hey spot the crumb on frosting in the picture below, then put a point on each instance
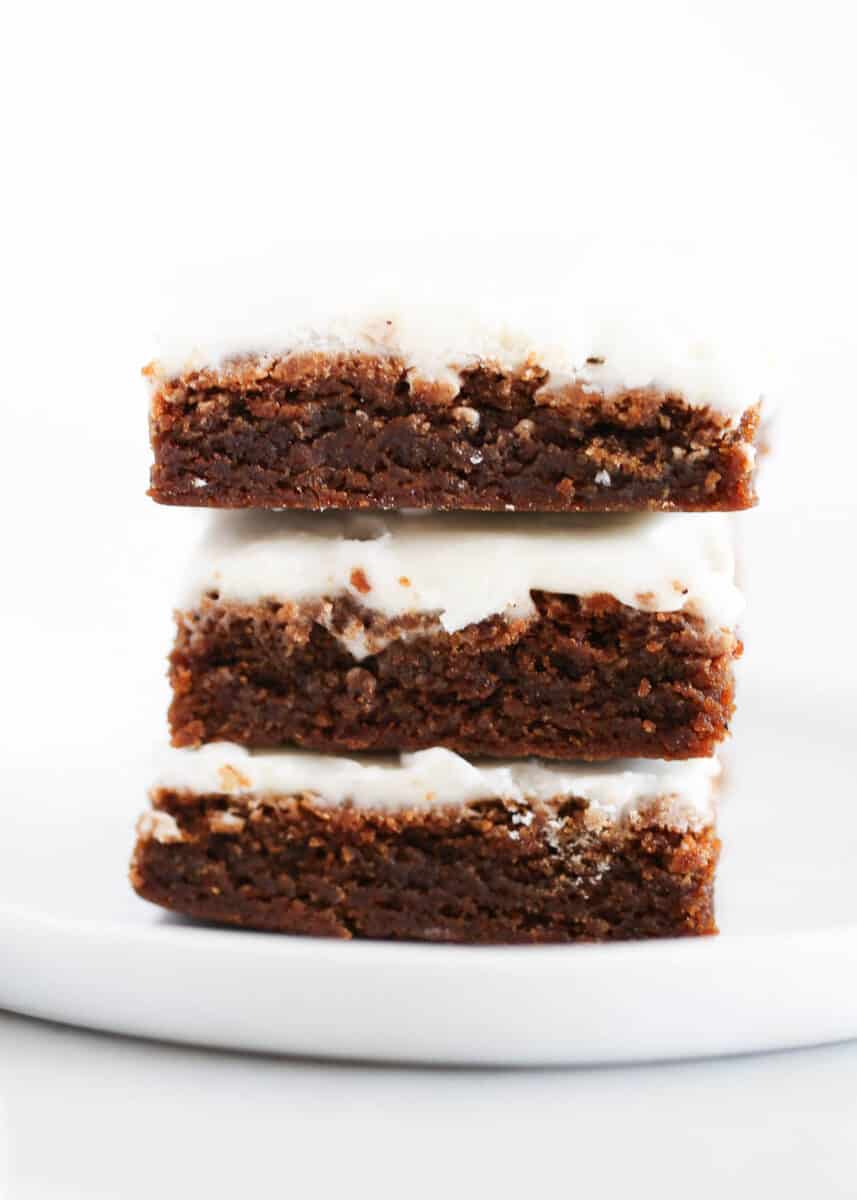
(359, 581)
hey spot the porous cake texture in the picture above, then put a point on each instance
(536, 378)
(563, 637)
(431, 847)
(331, 430)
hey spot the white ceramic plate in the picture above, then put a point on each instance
(76, 945)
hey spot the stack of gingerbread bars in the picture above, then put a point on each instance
(455, 655)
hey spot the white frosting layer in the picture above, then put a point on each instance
(682, 791)
(465, 567)
(655, 319)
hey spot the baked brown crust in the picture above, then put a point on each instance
(317, 431)
(585, 678)
(494, 872)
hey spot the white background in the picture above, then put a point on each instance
(139, 138)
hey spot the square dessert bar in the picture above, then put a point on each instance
(431, 847)
(533, 377)
(505, 636)
(478, 429)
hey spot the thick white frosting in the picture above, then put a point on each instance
(463, 568)
(682, 791)
(655, 318)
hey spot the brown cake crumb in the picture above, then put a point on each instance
(359, 581)
(317, 431)
(492, 872)
(585, 678)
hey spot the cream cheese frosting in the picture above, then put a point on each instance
(606, 319)
(461, 568)
(682, 793)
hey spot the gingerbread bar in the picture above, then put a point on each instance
(398, 406)
(507, 636)
(431, 847)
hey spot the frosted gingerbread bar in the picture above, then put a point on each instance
(431, 847)
(398, 407)
(566, 636)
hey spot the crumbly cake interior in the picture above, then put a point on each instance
(585, 678)
(320, 431)
(490, 872)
